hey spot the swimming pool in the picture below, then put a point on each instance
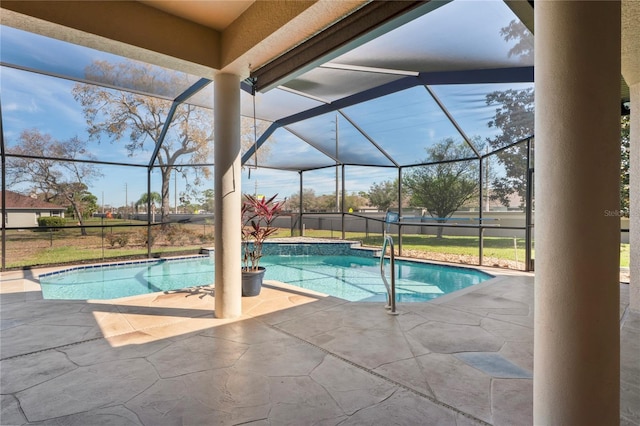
(352, 278)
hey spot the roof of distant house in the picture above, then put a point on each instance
(17, 201)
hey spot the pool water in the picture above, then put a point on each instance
(127, 279)
(358, 278)
(351, 278)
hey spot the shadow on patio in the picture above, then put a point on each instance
(292, 358)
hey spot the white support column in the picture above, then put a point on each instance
(634, 198)
(228, 196)
(577, 234)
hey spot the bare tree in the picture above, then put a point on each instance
(139, 119)
(54, 179)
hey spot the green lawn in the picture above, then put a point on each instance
(71, 254)
(30, 248)
(493, 247)
(624, 255)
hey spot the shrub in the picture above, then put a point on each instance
(111, 239)
(180, 235)
(123, 240)
(173, 234)
(51, 221)
(206, 238)
(189, 236)
(120, 239)
(141, 236)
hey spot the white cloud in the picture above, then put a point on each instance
(8, 107)
(32, 100)
(31, 106)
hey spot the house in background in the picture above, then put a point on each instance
(24, 211)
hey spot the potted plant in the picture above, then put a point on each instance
(258, 214)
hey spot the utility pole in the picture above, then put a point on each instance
(175, 190)
(486, 181)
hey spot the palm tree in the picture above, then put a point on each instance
(153, 198)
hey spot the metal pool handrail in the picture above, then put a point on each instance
(391, 289)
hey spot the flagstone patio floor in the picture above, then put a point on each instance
(293, 358)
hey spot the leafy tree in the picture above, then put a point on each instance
(59, 182)
(89, 203)
(139, 119)
(206, 200)
(514, 116)
(383, 195)
(625, 140)
(185, 203)
(442, 188)
(354, 202)
(309, 200)
(327, 202)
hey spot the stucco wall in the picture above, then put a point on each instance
(496, 221)
(26, 218)
(21, 218)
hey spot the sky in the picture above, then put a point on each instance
(34, 101)
(402, 125)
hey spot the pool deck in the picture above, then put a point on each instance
(294, 357)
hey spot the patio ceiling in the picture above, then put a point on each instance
(407, 85)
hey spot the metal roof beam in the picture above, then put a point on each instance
(493, 75)
(496, 75)
(261, 140)
(453, 121)
(376, 92)
(369, 138)
(195, 88)
(313, 145)
(368, 22)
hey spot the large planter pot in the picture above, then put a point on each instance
(252, 282)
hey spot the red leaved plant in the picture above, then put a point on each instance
(258, 213)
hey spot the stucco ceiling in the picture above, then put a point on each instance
(216, 14)
(200, 37)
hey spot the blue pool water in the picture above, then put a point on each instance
(348, 277)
